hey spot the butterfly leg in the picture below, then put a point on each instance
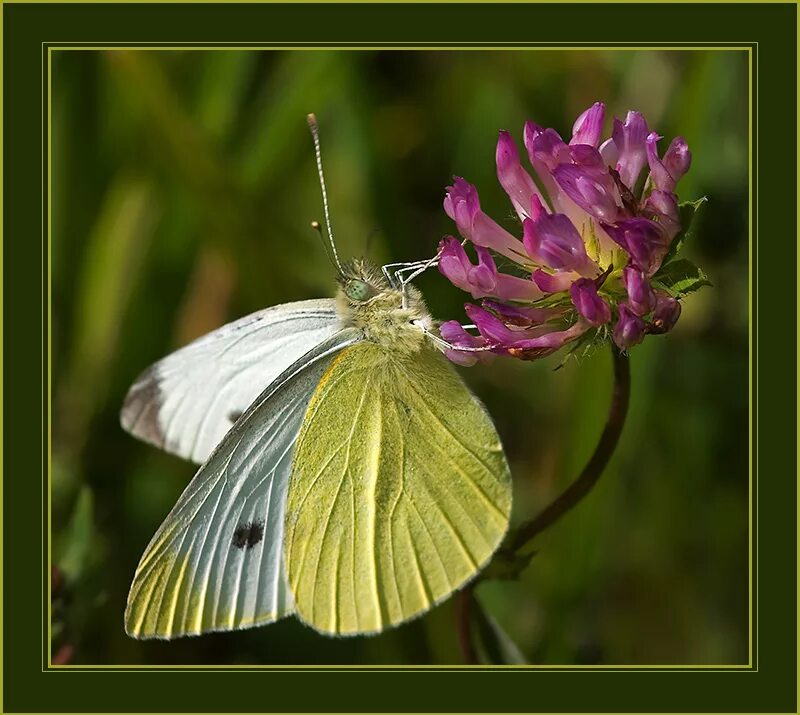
(416, 269)
(391, 276)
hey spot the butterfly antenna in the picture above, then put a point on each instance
(314, 127)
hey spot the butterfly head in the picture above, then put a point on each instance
(361, 282)
(387, 315)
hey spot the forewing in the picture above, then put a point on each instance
(216, 563)
(188, 401)
(400, 491)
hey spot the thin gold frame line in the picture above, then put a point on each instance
(532, 667)
(2, 351)
(405, 2)
(354, 46)
(412, 668)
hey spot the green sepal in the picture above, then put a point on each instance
(680, 277)
(585, 345)
(688, 212)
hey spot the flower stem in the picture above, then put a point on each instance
(591, 473)
(576, 491)
(465, 601)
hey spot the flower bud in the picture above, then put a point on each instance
(461, 204)
(678, 158)
(629, 139)
(641, 297)
(666, 173)
(588, 303)
(666, 313)
(630, 328)
(588, 125)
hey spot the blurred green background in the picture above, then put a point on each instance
(183, 184)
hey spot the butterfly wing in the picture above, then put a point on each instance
(188, 401)
(216, 562)
(400, 491)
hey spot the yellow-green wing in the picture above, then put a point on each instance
(400, 491)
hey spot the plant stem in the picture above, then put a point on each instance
(576, 491)
(465, 601)
(526, 532)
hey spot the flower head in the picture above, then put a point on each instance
(600, 223)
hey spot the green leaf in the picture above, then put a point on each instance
(688, 212)
(680, 277)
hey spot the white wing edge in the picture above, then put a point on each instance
(186, 402)
(158, 582)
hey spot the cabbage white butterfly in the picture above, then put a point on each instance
(348, 475)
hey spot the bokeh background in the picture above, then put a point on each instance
(183, 184)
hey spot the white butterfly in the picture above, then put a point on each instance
(235, 401)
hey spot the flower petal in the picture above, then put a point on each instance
(645, 241)
(524, 317)
(489, 234)
(482, 279)
(490, 326)
(662, 207)
(548, 343)
(517, 182)
(461, 204)
(629, 138)
(515, 288)
(453, 332)
(589, 125)
(593, 191)
(555, 242)
(553, 282)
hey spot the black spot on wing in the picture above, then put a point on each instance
(247, 535)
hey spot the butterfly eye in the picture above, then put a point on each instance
(359, 291)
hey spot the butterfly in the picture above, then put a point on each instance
(348, 474)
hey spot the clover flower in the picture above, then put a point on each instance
(601, 229)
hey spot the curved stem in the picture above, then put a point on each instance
(620, 397)
(576, 491)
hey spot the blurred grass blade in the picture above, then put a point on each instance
(78, 537)
(493, 644)
(112, 262)
(303, 82)
(223, 81)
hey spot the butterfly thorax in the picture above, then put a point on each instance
(366, 301)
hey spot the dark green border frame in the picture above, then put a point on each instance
(29, 686)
